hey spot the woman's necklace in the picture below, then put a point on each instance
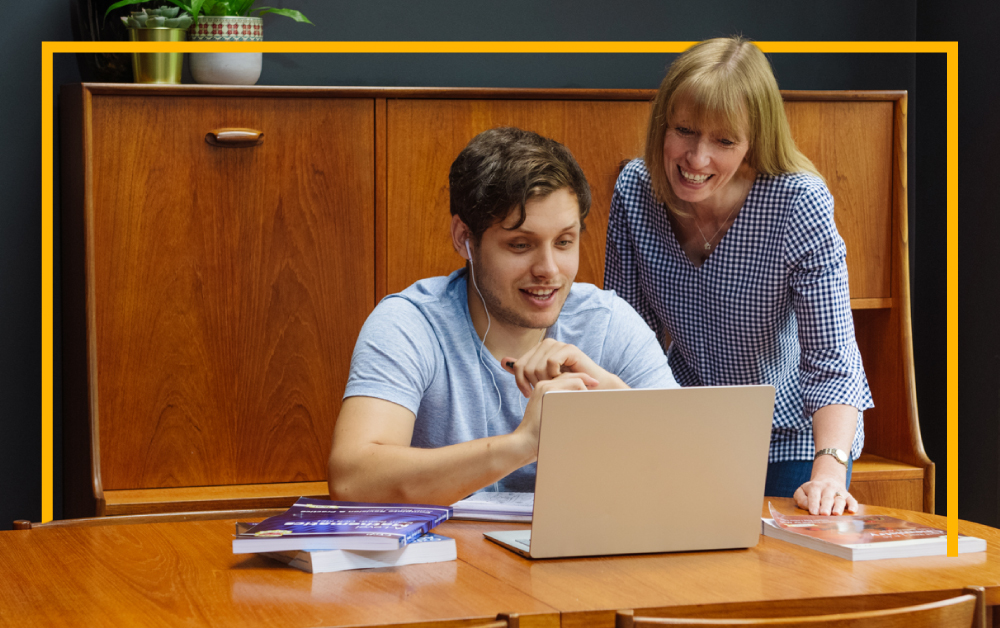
(708, 241)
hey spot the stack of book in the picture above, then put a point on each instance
(318, 536)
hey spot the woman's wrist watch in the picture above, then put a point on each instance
(839, 454)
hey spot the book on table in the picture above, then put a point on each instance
(428, 548)
(319, 524)
(864, 537)
(502, 506)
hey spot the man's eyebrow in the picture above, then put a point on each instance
(521, 230)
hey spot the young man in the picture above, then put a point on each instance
(445, 389)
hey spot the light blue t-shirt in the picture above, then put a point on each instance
(420, 350)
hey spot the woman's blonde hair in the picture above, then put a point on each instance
(729, 82)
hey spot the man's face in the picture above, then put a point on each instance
(525, 274)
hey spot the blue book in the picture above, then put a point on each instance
(429, 548)
(319, 524)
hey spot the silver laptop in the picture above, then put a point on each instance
(638, 471)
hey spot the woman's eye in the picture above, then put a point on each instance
(726, 142)
(683, 130)
(518, 246)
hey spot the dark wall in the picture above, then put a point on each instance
(20, 250)
(903, 20)
(979, 228)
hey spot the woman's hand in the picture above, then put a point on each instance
(826, 492)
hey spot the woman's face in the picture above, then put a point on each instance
(701, 159)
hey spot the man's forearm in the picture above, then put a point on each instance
(403, 474)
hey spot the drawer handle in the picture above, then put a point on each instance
(234, 138)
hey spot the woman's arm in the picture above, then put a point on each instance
(834, 385)
(621, 271)
(826, 491)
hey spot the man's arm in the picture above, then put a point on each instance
(372, 461)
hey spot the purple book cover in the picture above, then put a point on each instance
(318, 517)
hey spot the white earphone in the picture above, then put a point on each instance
(468, 251)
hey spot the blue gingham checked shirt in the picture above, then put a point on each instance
(770, 305)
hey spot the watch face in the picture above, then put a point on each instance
(839, 454)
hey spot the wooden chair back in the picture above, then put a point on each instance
(967, 610)
(503, 620)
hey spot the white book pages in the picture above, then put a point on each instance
(495, 507)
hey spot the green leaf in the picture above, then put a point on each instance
(195, 9)
(243, 7)
(184, 6)
(220, 8)
(295, 15)
(120, 4)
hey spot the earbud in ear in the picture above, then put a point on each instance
(468, 250)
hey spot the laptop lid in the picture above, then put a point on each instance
(637, 471)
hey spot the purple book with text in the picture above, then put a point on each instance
(315, 524)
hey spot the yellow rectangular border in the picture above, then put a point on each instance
(368, 47)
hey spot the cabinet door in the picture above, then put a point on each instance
(425, 136)
(226, 285)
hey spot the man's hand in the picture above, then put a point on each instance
(527, 431)
(549, 359)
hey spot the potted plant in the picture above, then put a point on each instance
(226, 20)
(160, 24)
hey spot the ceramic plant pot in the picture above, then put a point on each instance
(226, 68)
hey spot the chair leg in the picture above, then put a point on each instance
(625, 619)
(979, 618)
(513, 619)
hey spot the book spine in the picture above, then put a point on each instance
(425, 528)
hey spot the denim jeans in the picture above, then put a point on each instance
(783, 478)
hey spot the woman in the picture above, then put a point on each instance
(723, 238)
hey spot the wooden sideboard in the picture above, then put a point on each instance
(212, 294)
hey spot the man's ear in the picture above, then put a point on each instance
(460, 236)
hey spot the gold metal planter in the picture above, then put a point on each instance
(157, 67)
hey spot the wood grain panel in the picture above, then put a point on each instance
(872, 467)
(425, 136)
(196, 498)
(887, 428)
(224, 326)
(185, 574)
(589, 590)
(851, 143)
(906, 494)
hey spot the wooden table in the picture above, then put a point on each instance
(184, 573)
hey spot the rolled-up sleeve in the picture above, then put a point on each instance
(830, 365)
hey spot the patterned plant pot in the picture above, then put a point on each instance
(226, 68)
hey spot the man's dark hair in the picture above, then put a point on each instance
(502, 168)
